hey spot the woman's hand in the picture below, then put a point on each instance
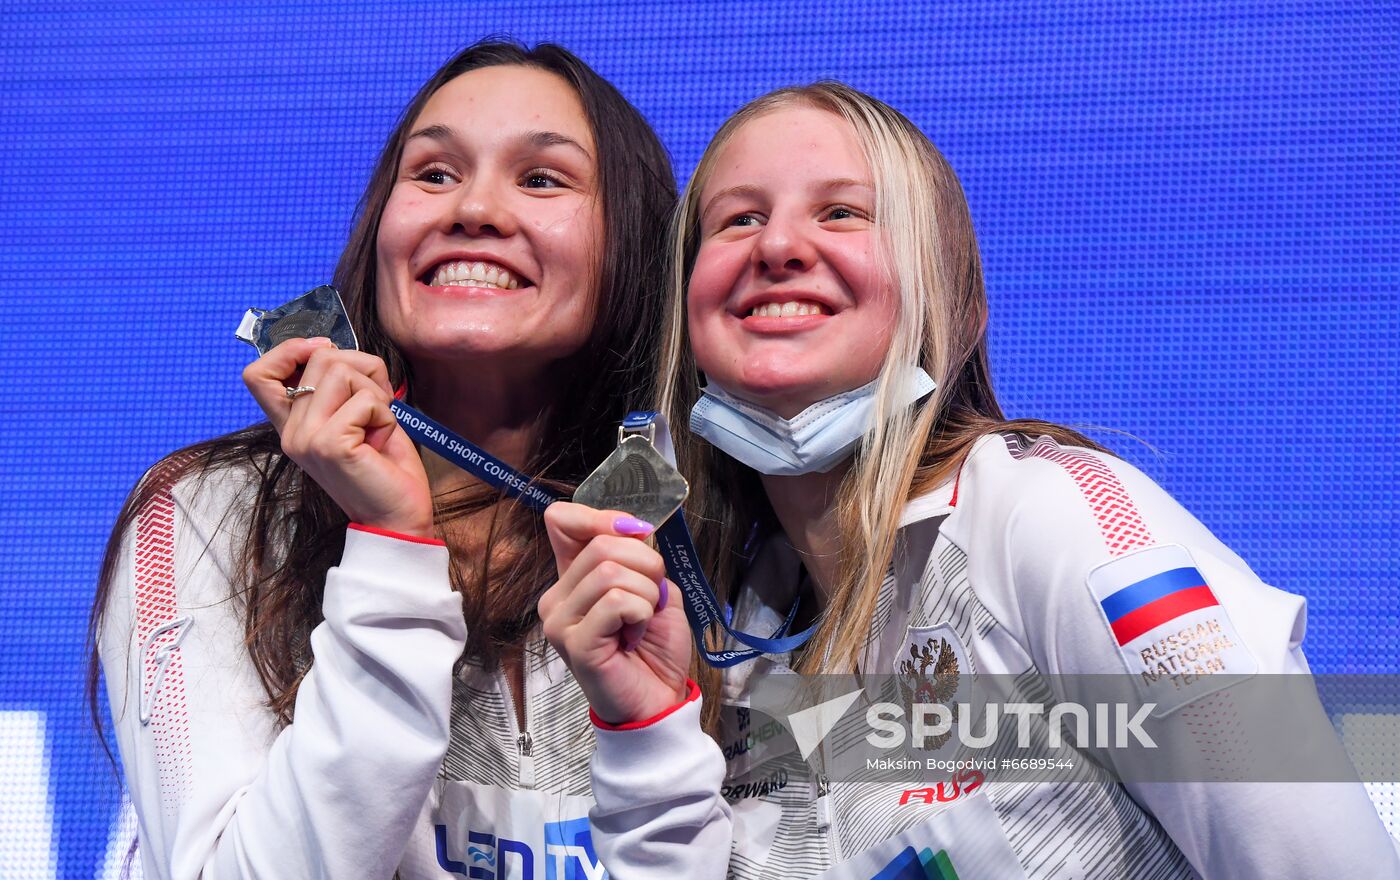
(612, 615)
(343, 433)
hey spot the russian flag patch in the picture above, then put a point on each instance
(1157, 599)
(1170, 629)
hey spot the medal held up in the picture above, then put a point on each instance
(635, 479)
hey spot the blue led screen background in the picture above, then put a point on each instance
(1188, 214)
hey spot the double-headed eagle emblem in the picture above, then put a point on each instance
(930, 675)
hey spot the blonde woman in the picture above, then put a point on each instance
(827, 284)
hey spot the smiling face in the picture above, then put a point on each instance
(487, 244)
(789, 301)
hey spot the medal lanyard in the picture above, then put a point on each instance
(471, 458)
(702, 607)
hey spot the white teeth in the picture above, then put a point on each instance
(462, 273)
(792, 309)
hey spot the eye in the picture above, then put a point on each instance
(541, 178)
(435, 175)
(744, 220)
(842, 212)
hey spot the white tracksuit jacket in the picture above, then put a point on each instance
(392, 762)
(1035, 563)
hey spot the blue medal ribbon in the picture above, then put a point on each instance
(471, 458)
(702, 607)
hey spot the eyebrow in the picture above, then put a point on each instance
(543, 139)
(743, 189)
(836, 183)
(539, 139)
(747, 189)
(433, 132)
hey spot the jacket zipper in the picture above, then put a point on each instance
(526, 746)
(821, 788)
(524, 743)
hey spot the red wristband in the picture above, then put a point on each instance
(691, 696)
(416, 539)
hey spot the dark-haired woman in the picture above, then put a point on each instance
(321, 645)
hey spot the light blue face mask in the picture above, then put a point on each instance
(813, 441)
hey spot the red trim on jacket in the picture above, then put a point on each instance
(691, 696)
(416, 539)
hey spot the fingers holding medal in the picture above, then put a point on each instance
(609, 616)
(335, 422)
(595, 558)
(329, 403)
(273, 378)
(349, 405)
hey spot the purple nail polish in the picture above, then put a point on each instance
(661, 602)
(632, 635)
(632, 527)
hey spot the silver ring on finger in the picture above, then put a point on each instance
(294, 393)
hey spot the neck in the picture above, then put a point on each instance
(498, 410)
(806, 508)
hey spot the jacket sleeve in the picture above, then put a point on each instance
(219, 789)
(1115, 582)
(660, 811)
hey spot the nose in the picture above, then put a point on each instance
(783, 248)
(482, 209)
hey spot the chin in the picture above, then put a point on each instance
(507, 346)
(457, 345)
(783, 393)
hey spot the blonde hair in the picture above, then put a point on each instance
(931, 253)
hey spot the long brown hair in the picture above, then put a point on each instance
(293, 532)
(931, 250)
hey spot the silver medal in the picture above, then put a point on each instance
(318, 312)
(635, 479)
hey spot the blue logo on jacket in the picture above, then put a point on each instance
(568, 854)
